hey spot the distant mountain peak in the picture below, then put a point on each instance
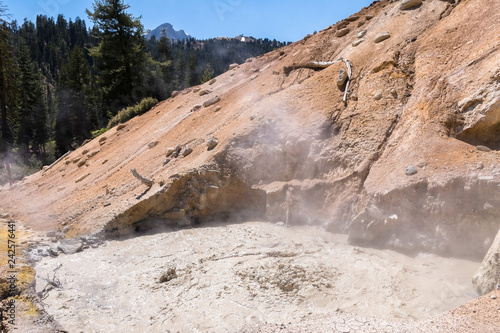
(170, 31)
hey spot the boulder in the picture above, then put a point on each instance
(153, 144)
(212, 82)
(175, 93)
(211, 101)
(186, 151)
(204, 92)
(233, 66)
(120, 127)
(212, 142)
(369, 17)
(411, 170)
(361, 34)
(359, 41)
(381, 37)
(488, 275)
(342, 79)
(196, 107)
(343, 32)
(70, 246)
(410, 4)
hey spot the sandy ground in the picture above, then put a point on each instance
(223, 278)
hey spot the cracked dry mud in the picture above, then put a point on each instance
(224, 278)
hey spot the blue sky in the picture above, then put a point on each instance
(284, 20)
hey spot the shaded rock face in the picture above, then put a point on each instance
(487, 277)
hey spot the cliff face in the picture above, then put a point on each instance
(409, 162)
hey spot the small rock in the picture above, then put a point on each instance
(249, 60)
(483, 148)
(394, 93)
(66, 229)
(212, 142)
(359, 41)
(493, 296)
(51, 233)
(253, 77)
(480, 166)
(196, 108)
(212, 101)
(282, 53)
(409, 4)
(105, 161)
(411, 170)
(342, 78)
(276, 73)
(81, 163)
(197, 89)
(217, 109)
(176, 152)
(186, 151)
(354, 97)
(212, 82)
(175, 93)
(169, 275)
(85, 151)
(70, 246)
(352, 18)
(204, 92)
(153, 144)
(381, 37)
(106, 204)
(343, 32)
(361, 23)
(369, 17)
(361, 34)
(378, 96)
(81, 178)
(233, 66)
(167, 160)
(120, 127)
(170, 151)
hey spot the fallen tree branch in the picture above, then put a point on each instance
(60, 158)
(323, 65)
(145, 181)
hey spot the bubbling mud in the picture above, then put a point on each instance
(221, 277)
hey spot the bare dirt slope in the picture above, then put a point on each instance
(411, 162)
(435, 79)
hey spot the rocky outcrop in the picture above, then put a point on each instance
(487, 277)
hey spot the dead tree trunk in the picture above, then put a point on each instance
(145, 181)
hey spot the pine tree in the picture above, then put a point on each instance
(32, 127)
(192, 77)
(73, 119)
(120, 54)
(7, 79)
(208, 74)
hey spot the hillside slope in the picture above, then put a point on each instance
(425, 100)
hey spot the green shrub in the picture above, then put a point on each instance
(128, 113)
(98, 132)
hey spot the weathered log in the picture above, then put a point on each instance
(323, 65)
(145, 181)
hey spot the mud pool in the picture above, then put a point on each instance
(217, 278)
